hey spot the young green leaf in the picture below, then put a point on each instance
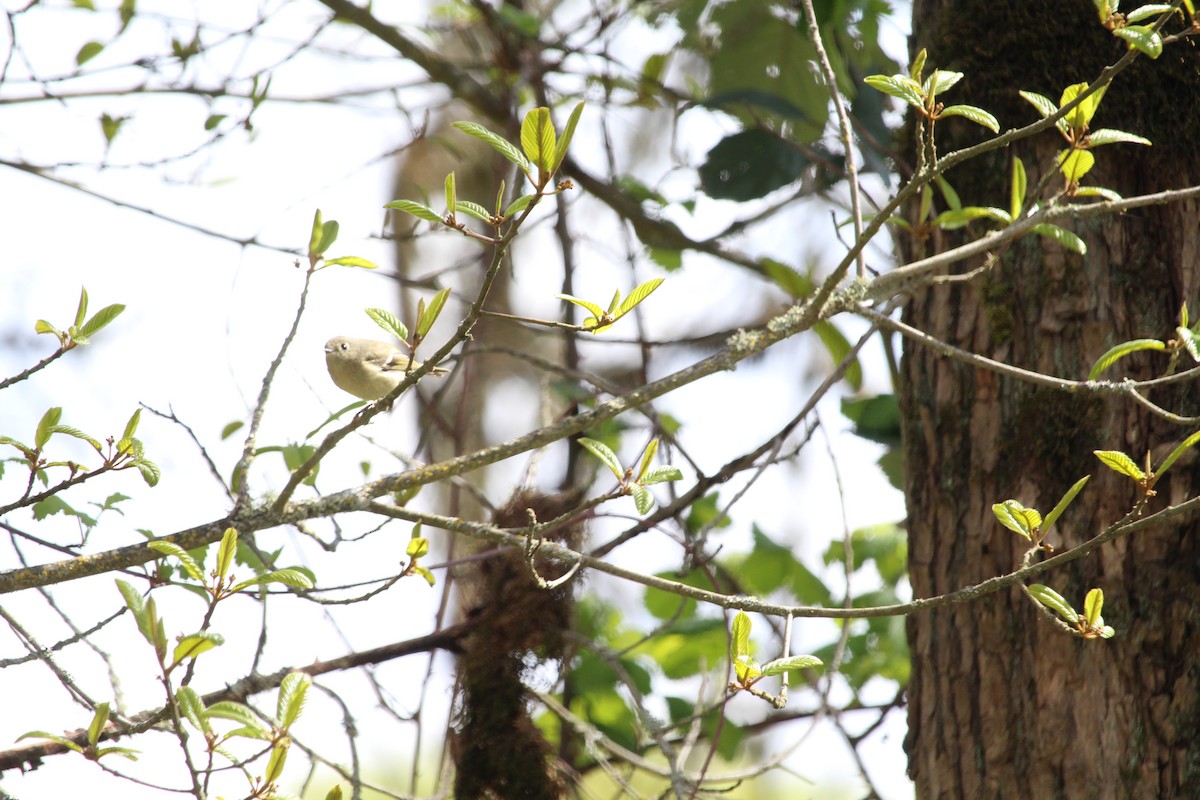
(99, 720)
(1092, 606)
(739, 644)
(918, 65)
(498, 143)
(149, 471)
(596, 311)
(1098, 191)
(1179, 450)
(1080, 117)
(1119, 462)
(81, 309)
(1142, 38)
(1016, 200)
(46, 426)
(519, 205)
(293, 692)
(603, 452)
(1065, 238)
(636, 296)
(1121, 350)
(642, 499)
(1074, 164)
(451, 195)
(416, 209)
(430, 314)
(564, 141)
(474, 210)
(538, 139)
(194, 644)
(782, 665)
(973, 113)
(647, 458)
(189, 564)
(418, 547)
(939, 81)
(226, 552)
(1111, 136)
(1057, 511)
(293, 576)
(661, 474)
(98, 321)
(1044, 105)
(900, 86)
(351, 261)
(1055, 602)
(389, 322)
(1018, 518)
(191, 705)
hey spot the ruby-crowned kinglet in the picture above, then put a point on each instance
(366, 368)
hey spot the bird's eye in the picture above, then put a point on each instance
(344, 345)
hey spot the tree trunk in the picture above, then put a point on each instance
(1003, 704)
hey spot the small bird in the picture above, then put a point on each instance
(366, 368)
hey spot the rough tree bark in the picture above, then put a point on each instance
(1002, 704)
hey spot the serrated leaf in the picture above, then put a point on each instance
(226, 552)
(642, 499)
(288, 577)
(389, 322)
(99, 720)
(416, 209)
(236, 712)
(81, 309)
(1016, 200)
(185, 558)
(133, 600)
(1119, 462)
(1081, 116)
(78, 434)
(293, 692)
(782, 665)
(1055, 602)
(661, 475)
(191, 705)
(194, 644)
(425, 320)
(1057, 511)
(498, 143)
(1062, 236)
(1112, 136)
(276, 762)
(595, 310)
(939, 81)
(1117, 352)
(1093, 604)
(564, 141)
(647, 458)
(474, 210)
(100, 319)
(958, 218)
(973, 113)
(739, 644)
(900, 86)
(1044, 105)
(538, 139)
(1142, 38)
(519, 205)
(1098, 191)
(1018, 518)
(603, 452)
(1179, 450)
(1074, 164)
(46, 425)
(636, 296)
(149, 470)
(351, 261)
(1187, 338)
(451, 195)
